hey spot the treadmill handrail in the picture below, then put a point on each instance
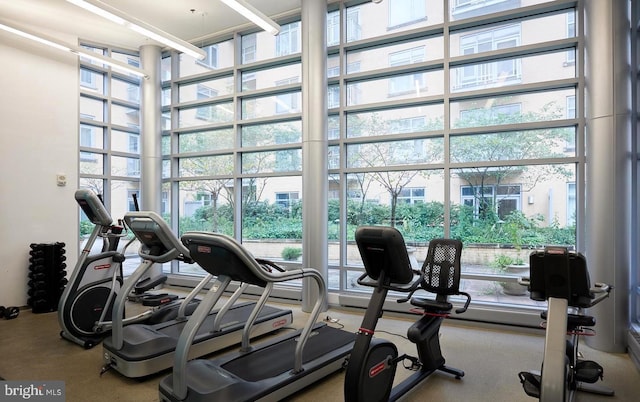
(192, 326)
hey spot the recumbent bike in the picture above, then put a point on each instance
(561, 278)
(372, 365)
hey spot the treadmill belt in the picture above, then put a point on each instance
(280, 357)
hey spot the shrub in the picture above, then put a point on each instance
(291, 253)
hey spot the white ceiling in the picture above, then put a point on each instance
(173, 16)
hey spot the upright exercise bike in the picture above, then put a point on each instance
(373, 361)
(86, 304)
(561, 278)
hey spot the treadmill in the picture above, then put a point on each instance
(271, 370)
(137, 350)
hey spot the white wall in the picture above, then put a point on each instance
(38, 139)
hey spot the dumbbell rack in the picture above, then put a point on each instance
(47, 276)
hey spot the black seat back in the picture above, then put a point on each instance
(219, 255)
(383, 250)
(441, 268)
(556, 272)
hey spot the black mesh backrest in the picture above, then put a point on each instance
(441, 268)
(566, 277)
(222, 255)
(382, 249)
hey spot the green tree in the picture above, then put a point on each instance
(508, 146)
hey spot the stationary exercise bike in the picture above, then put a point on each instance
(85, 306)
(373, 361)
(561, 278)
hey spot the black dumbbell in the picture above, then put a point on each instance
(9, 312)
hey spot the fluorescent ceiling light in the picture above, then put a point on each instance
(39, 39)
(141, 27)
(54, 43)
(253, 15)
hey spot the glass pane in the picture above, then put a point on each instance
(398, 87)
(514, 145)
(411, 200)
(333, 96)
(125, 142)
(273, 77)
(93, 184)
(511, 109)
(511, 34)
(206, 89)
(91, 81)
(401, 54)
(461, 9)
(165, 68)
(286, 160)
(333, 228)
(396, 121)
(91, 136)
(166, 168)
(334, 157)
(272, 134)
(396, 153)
(166, 96)
(333, 66)
(91, 163)
(272, 217)
(92, 109)
(125, 90)
(268, 106)
(333, 126)
(122, 197)
(125, 116)
(92, 49)
(208, 114)
(206, 166)
(166, 145)
(126, 58)
(166, 121)
(512, 71)
(219, 56)
(121, 166)
(391, 16)
(206, 205)
(206, 141)
(263, 45)
(502, 212)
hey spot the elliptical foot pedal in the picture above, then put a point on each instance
(157, 299)
(530, 383)
(588, 371)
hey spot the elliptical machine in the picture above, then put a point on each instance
(561, 278)
(85, 306)
(373, 361)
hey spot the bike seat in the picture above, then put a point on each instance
(431, 305)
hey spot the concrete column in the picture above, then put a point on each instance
(314, 145)
(609, 164)
(151, 130)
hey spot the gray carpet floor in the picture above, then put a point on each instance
(31, 349)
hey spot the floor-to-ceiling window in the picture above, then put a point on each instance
(446, 118)
(109, 133)
(456, 121)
